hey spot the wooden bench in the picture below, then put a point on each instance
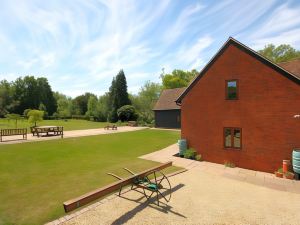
(113, 127)
(48, 131)
(13, 132)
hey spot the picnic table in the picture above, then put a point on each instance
(48, 131)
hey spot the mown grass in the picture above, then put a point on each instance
(70, 124)
(37, 177)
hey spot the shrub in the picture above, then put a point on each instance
(198, 157)
(190, 153)
(126, 113)
(229, 164)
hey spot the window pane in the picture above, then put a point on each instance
(231, 89)
(237, 138)
(227, 134)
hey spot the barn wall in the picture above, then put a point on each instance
(264, 111)
(167, 118)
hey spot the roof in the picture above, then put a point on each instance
(231, 41)
(292, 66)
(167, 99)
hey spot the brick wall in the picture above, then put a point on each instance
(264, 111)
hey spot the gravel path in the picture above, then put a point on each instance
(201, 196)
(70, 134)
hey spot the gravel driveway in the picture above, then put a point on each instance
(201, 196)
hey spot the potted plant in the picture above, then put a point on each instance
(279, 173)
(289, 175)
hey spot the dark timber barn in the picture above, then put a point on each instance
(167, 113)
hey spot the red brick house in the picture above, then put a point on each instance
(241, 108)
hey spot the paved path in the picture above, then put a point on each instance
(69, 134)
(207, 193)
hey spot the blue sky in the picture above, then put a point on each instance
(79, 45)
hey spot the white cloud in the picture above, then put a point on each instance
(182, 23)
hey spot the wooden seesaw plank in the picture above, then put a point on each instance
(100, 192)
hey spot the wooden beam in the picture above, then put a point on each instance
(98, 193)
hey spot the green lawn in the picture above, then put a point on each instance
(37, 177)
(68, 125)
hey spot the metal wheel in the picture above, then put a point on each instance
(163, 188)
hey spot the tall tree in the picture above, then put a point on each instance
(178, 78)
(92, 106)
(118, 95)
(121, 90)
(46, 96)
(281, 53)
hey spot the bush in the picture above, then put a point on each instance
(190, 153)
(229, 164)
(198, 157)
(126, 113)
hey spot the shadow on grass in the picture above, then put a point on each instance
(164, 208)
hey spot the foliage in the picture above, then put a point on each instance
(145, 100)
(126, 113)
(229, 164)
(7, 102)
(118, 96)
(190, 153)
(92, 106)
(14, 117)
(35, 116)
(178, 78)
(80, 103)
(25, 113)
(31, 92)
(64, 105)
(198, 157)
(103, 107)
(280, 170)
(281, 53)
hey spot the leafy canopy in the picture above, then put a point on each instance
(35, 116)
(178, 78)
(281, 53)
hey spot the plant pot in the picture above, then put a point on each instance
(278, 174)
(289, 176)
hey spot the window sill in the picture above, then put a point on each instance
(232, 148)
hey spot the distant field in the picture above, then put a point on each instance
(68, 125)
(37, 177)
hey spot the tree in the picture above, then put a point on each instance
(7, 102)
(46, 96)
(126, 113)
(118, 95)
(103, 107)
(80, 103)
(43, 108)
(31, 92)
(146, 98)
(35, 116)
(92, 106)
(64, 105)
(178, 78)
(14, 117)
(281, 53)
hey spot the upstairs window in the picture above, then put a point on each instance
(231, 89)
(232, 137)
